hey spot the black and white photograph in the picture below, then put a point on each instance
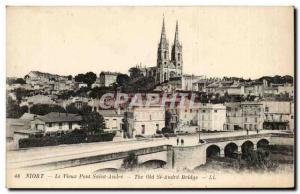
(133, 97)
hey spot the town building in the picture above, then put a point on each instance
(278, 115)
(244, 116)
(212, 117)
(55, 122)
(113, 121)
(108, 78)
(144, 121)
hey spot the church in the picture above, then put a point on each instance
(166, 67)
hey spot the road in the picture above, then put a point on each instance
(32, 156)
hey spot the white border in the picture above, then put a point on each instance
(4, 3)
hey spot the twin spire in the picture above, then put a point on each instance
(163, 37)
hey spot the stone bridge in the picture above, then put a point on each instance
(160, 155)
(226, 147)
(166, 155)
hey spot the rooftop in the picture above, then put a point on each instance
(54, 117)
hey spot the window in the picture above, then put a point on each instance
(245, 119)
(267, 109)
(114, 124)
(178, 56)
(203, 111)
(60, 125)
(165, 54)
(143, 129)
(150, 117)
(215, 110)
(157, 126)
(50, 125)
(255, 120)
(292, 117)
(191, 110)
(70, 125)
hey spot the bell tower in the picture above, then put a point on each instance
(163, 60)
(176, 54)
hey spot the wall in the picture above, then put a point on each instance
(64, 127)
(189, 157)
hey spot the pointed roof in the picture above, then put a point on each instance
(163, 37)
(176, 39)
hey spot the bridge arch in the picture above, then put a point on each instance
(213, 151)
(247, 148)
(153, 164)
(262, 143)
(100, 171)
(231, 150)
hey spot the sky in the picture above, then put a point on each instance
(247, 42)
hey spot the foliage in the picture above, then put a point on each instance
(259, 160)
(135, 73)
(141, 84)
(167, 130)
(278, 79)
(93, 122)
(21, 93)
(70, 77)
(66, 95)
(13, 110)
(131, 161)
(11, 81)
(97, 92)
(89, 78)
(74, 137)
(43, 109)
(71, 108)
(122, 79)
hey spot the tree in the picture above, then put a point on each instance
(13, 110)
(11, 81)
(90, 78)
(43, 109)
(93, 122)
(122, 79)
(71, 108)
(21, 93)
(131, 161)
(20, 81)
(135, 72)
(70, 77)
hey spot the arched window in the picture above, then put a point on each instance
(165, 55)
(165, 76)
(178, 56)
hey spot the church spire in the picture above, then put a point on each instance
(176, 39)
(163, 37)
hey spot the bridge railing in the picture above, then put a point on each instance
(232, 138)
(250, 136)
(97, 158)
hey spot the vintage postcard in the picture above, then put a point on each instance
(150, 97)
